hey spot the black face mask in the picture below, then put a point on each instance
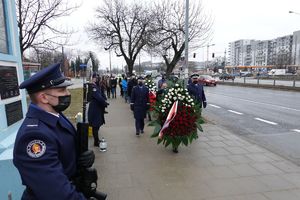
(195, 82)
(140, 83)
(63, 103)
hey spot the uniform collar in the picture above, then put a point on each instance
(35, 111)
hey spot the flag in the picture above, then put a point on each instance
(170, 117)
(152, 94)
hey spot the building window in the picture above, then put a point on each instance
(3, 36)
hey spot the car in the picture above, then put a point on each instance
(246, 74)
(226, 76)
(207, 80)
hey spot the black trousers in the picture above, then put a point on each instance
(139, 125)
(96, 135)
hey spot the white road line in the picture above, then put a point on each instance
(296, 130)
(266, 121)
(212, 105)
(247, 100)
(235, 112)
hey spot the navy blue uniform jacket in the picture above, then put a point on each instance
(139, 99)
(197, 92)
(96, 107)
(45, 155)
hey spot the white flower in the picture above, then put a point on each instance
(176, 85)
(162, 110)
(193, 103)
(174, 98)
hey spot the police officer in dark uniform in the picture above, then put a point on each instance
(140, 104)
(45, 148)
(196, 90)
(96, 109)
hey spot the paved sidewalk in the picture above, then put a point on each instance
(217, 166)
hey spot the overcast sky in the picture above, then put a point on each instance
(234, 20)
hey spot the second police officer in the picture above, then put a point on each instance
(196, 90)
(96, 109)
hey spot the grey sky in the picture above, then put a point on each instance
(234, 20)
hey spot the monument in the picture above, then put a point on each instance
(12, 100)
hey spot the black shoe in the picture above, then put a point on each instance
(137, 134)
(142, 131)
(105, 112)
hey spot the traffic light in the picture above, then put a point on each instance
(213, 55)
(194, 55)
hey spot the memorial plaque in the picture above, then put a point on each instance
(13, 112)
(8, 82)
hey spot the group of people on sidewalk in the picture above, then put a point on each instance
(45, 151)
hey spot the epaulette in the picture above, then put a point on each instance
(32, 122)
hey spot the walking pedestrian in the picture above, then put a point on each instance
(140, 104)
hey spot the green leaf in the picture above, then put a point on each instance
(154, 123)
(157, 129)
(154, 135)
(199, 127)
(185, 140)
(159, 141)
(169, 140)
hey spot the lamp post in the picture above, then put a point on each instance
(186, 55)
(109, 59)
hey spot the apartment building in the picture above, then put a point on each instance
(281, 51)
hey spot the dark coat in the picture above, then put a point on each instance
(140, 101)
(197, 92)
(96, 107)
(130, 85)
(45, 155)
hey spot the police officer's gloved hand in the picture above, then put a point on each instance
(204, 104)
(86, 159)
(148, 106)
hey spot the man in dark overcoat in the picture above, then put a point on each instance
(140, 104)
(96, 109)
(196, 90)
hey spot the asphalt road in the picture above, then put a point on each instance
(269, 118)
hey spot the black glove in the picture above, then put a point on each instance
(204, 104)
(148, 106)
(86, 159)
(131, 107)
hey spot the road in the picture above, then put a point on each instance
(252, 80)
(267, 117)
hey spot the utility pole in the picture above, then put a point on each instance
(186, 56)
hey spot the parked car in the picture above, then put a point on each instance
(207, 80)
(226, 76)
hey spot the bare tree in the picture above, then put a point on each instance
(123, 28)
(168, 40)
(36, 18)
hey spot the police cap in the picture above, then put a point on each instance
(194, 76)
(140, 78)
(49, 77)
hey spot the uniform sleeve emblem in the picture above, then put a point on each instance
(36, 148)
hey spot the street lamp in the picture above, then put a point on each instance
(294, 12)
(109, 58)
(186, 70)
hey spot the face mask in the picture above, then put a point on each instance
(140, 83)
(195, 82)
(63, 102)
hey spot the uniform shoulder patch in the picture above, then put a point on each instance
(36, 148)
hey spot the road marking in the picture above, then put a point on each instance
(296, 130)
(235, 112)
(266, 121)
(212, 105)
(247, 100)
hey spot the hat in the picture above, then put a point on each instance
(140, 78)
(49, 77)
(193, 76)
